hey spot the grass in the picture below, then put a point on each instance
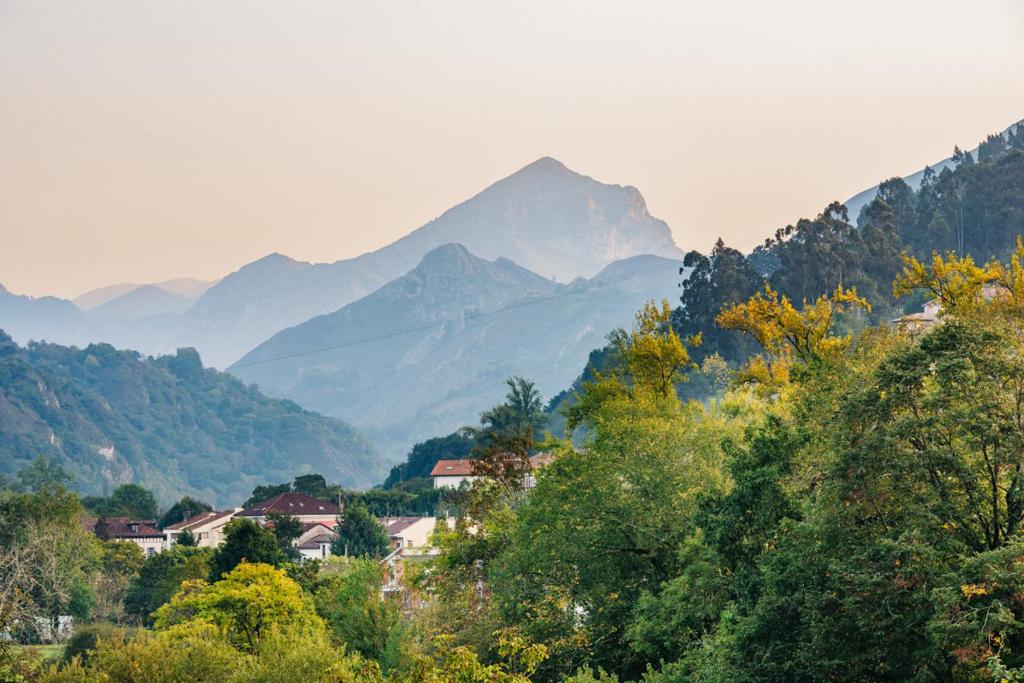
(45, 653)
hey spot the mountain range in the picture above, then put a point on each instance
(545, 217)
(426, 353)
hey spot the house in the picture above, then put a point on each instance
(299, 505)
(410, 533)
(315, 541)
(206, 527)
(927, 318)
(142, 533)
(451, 473)
(922, 321)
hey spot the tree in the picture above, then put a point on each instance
(313, 485)
(286, 529)
(43, 472)
(161, 576)
(245, 541)
(182, 510)
(186, 539)
(723, 278)
(265, 492)
(357, 613)
(360, 534)
(522, 413)
(787, 334)
(247, 603)
(648, 362)
(127, 500)
(120, 564)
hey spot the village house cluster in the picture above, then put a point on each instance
(319, 520)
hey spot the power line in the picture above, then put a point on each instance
(462, 317)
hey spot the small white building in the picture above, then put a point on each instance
(315, 541)
(409, 533)
(451, 473)
(206, 527)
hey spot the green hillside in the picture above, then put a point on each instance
(114, 416)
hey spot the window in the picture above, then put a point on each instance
(150, 551)
(408, 543)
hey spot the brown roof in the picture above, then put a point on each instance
(199, 519)
(114, 528)
(290, 504)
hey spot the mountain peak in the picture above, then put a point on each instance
(547, 164)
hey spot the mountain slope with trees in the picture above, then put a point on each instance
(111, 417)
(428, 352)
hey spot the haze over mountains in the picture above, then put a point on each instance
(545, 217)
(427, 352)
(858, 201)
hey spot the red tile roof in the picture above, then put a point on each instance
(452, 468)
(290, 504)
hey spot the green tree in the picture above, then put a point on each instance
(184, 508)
(360, 534)
(161, 576)
(245, 541)
(352, 604)
(127, 500)
(313, 485)
(43, 472)
(286, 530)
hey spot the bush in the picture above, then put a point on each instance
(83, 643)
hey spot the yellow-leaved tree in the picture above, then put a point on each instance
(788, 334)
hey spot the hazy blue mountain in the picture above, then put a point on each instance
(266, 296)
(544, 217)
(112, 417)
(142, 302)
(857, 202)
(429, 351)
(46, 317)
(188, 287)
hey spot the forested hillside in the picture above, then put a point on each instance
(112, 416)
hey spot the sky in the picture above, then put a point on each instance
(142, 141)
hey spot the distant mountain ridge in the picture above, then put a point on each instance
(427, 352)
(187, 287)
(545, 217)
(858, 201)
(111, 417)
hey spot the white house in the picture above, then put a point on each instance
(207, 527)
(315, 541)
(451, 473)
(409, 533)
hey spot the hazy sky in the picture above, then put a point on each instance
(142, 140)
